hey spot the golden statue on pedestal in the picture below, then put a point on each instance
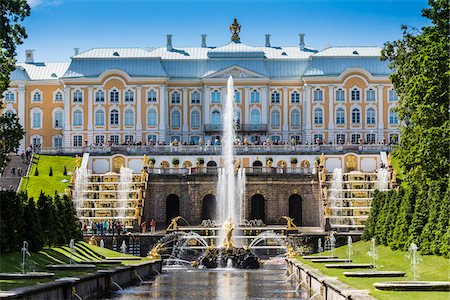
(154, 253)
(291, 253)
(92, 241)
(145, 161)
(173, 224)
(290, 223)
(229, 227)
(322, 160)
(235, 29)
(237, 165)
(77, 161)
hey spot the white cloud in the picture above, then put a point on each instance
(35, 3)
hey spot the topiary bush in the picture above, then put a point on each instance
(36, 172)
(50, 173)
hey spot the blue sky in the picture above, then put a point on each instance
(55, 27)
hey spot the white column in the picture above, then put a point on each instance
(139, 114)
(264, 105)
(247, 105)
(307, 112)
(285, 114)
(380, 113)
(66, 131)
(331, 114)
(21, 114)
(185, 114)
(205, 105)
(162, 112)
(90, 108)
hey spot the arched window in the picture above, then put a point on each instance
(151, 96)
(340, 95)
(340, 116)
(295, 118)
(129, 96)
(37, 97)
(255, 117)
(100, 118)
(356, 95)
(275, 97)
(215, 96)
(77, 96)
(318, 95)
(295, 97)
(195, 119)
(36, 117)
(152, 118)
(58, 119)
(370, 95)
(129, 117)
(195, 97)
(318, 116)
(175, 119)
(356, 116)
(99, 96)
(9, 97)
(114, 117)
(215, 117)
(254, 96)
(114, 96)
(237, 96)
(275, 118)
(58, 97)
(175, 98)
(393, 117)
(77, 118)
(370, 118)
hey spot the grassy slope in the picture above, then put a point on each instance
(433, 268)
(57, 255)
(35, 184)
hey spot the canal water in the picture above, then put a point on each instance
(269, 282)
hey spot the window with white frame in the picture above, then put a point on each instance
(275, 97)
(99, 96)
(194, 139)
(99, 118)
(295, 118)
(255, 117)
(371, 138)
(9, 113)
(9, 97)
(152, 139)
(36, 140)
(340, 95)
(393, 138)
(114, 96)
(58, 97)
(114, 117)
(237, 118)
(58, 119)
(275, 118)
(215, 96)
(295, 97)
(318, 138)
(99, 139)
(356, 116)
(393, 117)
(340, 116)
(393, 95)
(237, 96)
(37, 119)
(195, 119)
(370, 94)
(318, 95)
(318, 116)
(129, 96)
(275, 139)
(57, 141)
(195, 97)
(254, 96)
(370, 117)
(78, 141)
(129, 117)
(77, 118)
(340, 139)
(114, 139)
(77, 96)
(356, 94)
(151, 96)
(355, 138)
(129, 138)
(152, 118)
(175, 119)
(37, 96)
(215, 117)
(175, 98)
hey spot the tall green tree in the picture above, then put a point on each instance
(33, 232)
(11, 132)
(406, 211)
(46, 211)
(370, 227)
(73, 229)
(422, 76)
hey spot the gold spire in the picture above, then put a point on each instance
(235, 28)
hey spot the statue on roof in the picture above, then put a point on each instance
(235, 29)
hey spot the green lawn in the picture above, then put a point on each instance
(57, 255)
(435, 268)
(48, 184)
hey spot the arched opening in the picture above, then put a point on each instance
(257, 166)
(172, 207)
(211, 167)
(295, 209)
(209, 207)
(258, 208)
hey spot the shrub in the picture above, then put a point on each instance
(36, 172)
(65, 171)
(152, 160)
(50, 173)
(269, 159)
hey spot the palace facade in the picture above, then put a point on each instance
(117, 95)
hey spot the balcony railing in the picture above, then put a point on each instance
(248, 171)
(237, 127)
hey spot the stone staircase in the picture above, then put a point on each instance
(7, 180)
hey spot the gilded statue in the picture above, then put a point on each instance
(92, 241)
(143, 176)
(235, 29)
(145, 161)
(237, 165)
(173, 224)
(291, 253)
(322, 160)
(290, 222)
(140, 194)
(77, 161)
(394, 175)
(351, 163)
(229, 227)
(389, 159)
(154, 253)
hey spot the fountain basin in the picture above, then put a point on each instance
(331, 260)
(70, 267)
(219, 257)
(349, 266)
(30, 275)
(319, 257)
(437, 286)
(375, 274)
(100, 262)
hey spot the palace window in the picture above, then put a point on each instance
(318, 95)
(175, 98)
(370, 95)
(58, 119)
(78, 141)
(114, 139)
(275, 97)
(370, 118)
(37, 97)
(318, 138)
(152, 138)
(215, 96)
(100, 96)
(255, 117)
(99, 139)
(152, 118)
(356, 116)
(129, 138)
(340, 138)
(371, 138)
(340, 95)
(57, 141)
(77, 118)
(215, 117)
(237, 96)
(318, 116)
(194, 139)
(356, 95)
(36, 140)
(151, 96)
(195, 119)
(393, 117)
(195, 97)
(275, 118)
(355, 138)
(9, 97)
(393, 95)
(37, 120)
(237, 118)
(58, 97)
(254, 96)
(114, 96)
(340, 116)
(275, 138)
(393, 138)
(295, 118)
(129, 117)
(114, 117)
(129, 96)
(295, 97)
(175, 119)
(99, 118)
(77, 96)
(8, 113)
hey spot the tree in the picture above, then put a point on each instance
(405, 215)
(33, 232)
(11, 132)
(420, 216)
(428, 233)
(370, 227)
(60, 226)
(421, 79)
(46, 216)
(73, 224)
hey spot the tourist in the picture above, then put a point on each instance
(19, 171)
(152, 226)
(13, 172)
(144, 226)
